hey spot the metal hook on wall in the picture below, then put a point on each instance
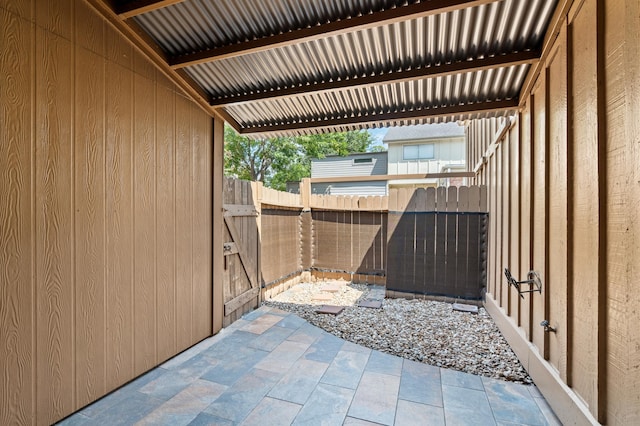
(533, 280)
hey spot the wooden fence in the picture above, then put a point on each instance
(438, 241)
(423, 241)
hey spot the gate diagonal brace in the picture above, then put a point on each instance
(533, 281)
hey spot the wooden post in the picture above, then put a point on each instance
(305, 194)
(218, 224)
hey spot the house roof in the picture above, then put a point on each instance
(280, 67)
(424, 131)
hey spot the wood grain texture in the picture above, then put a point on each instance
(202, 160)
(90, 29)
(21, 8)
(184, 224)
(539, 234)
(584, 209)
(90, 230)
(507, 293)
(525, 210)
(622, 109)
(165, 223)
(557, 274)
(17, 253)
(54, 227)
(144, 191)
(514, 218)
(119, 218)
(55, 17)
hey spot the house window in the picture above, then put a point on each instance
(417, 152)
(362, 160)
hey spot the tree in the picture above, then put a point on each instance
(276, 161)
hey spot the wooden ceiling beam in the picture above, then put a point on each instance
(477, 107)
(507, 60)
(358, 23)
(133, 8)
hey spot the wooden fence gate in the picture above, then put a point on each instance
(241, 250)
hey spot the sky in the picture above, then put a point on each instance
(378, 134)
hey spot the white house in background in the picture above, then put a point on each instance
(353, 165)
(426, 148)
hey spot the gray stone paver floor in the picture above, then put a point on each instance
(273, 368)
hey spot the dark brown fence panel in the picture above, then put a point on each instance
(349, 241)
(281, 244)
(437, 241)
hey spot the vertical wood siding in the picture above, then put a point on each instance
(573, 197)
(105, 212)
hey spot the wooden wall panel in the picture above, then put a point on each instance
(17, 254)
(505, 243)
(584, 208)
(88, 213)
(539, 229)
(514, 218)
(166, 285)
(621, 108)
(525, 217)
(184, 223)
(90, 315)
(54, 225)
(119, 223)
(144, 191)
(557, 189)
(201, 184)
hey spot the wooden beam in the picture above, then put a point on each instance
(507, 60)
(392, 177)
(358, 23)
(143, 43)
(477, 107)
(137, 7)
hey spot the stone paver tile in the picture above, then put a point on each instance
(512, 402)
(240, 399)
(298, 383)
(185, 406)
(283, 356)
(466, 406)
(271, 338)
(129, 411)
(413, 413)
(292, 322)
(77, 419)
(460, 379)
(332, 288)
(262, 323)
(421, 383)
(380, 362)
(352, 421)
(326, 406)
(373, 304)
(272, 411)
(121, 394)
(376, 398)
(227, 371)
(330, 309)
(228, 345)
(192, 352)
(352, 347)
(547, 412)
(204, 419)
(168, 385)
(346, 369)
(324, 349)
(307, 333)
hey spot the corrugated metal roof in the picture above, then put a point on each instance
(286, 75)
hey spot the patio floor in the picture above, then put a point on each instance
(273, 368)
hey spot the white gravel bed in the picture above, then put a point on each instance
(420, 330)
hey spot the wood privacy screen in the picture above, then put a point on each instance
(105, 213)
(423, 241)
(437, 241)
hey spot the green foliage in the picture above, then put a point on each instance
(276, 161)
